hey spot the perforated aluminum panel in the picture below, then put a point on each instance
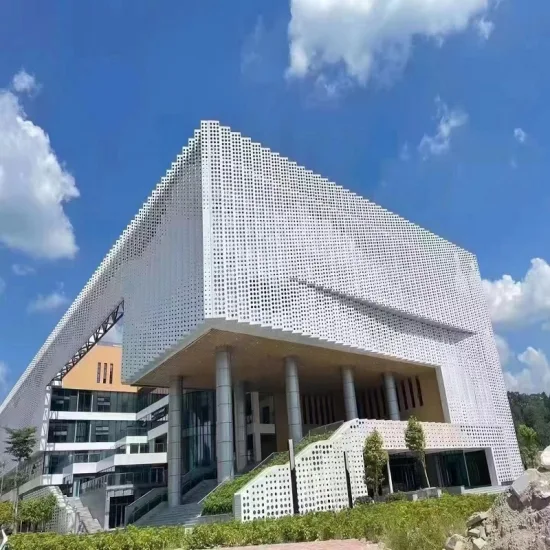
(320, 468)
(238, 234)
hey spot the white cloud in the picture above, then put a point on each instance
(448, 122)
(22, 270)
(520, 135)
(34, 185)
(114, 336)
(4, 385)
(404, 153)
(534, 377)
(484, 28)
(503, 349)
(48, 302)
(520, 302)
(368, 37)
(23, 82)
(2, 285)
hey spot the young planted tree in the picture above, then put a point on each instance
(375, 459)
(20, 445)
(528, 446)
(416, 443)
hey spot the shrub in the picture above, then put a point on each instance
(394, 497)
(403, 525)
(220, 501)
(375, 459)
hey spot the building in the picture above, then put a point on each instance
(267, 300)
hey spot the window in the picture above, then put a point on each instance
(105, 373)
(82, 431)
(101, 432)
(143, 448)
(134, 449)
(84, 401)
(111, 373)
(103, 403)
(419, 388)
(403, 389)
(58, 432)
(98, 373)
(266, 417)
(412, 394)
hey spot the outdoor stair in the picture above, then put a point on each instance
(90, 524)
(187, 514)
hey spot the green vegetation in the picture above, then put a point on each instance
(375, 459)
(402, 525)
(20, 445)
(532, 411)
(528, 446)
(32, 514)
(416, 443)
(220, 501)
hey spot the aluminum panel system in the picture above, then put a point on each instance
(238, 235)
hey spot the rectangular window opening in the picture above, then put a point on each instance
(98, 373)
(105, 373)
(111, 373)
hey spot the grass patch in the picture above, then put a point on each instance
(402, 525)
(220, 501)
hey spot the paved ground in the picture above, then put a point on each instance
(321, 545)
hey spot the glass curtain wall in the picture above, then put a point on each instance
(198, 430)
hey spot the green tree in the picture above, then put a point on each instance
(416, 443)
(6, 514)
(528, 446)
(375, 458)
(20, 445)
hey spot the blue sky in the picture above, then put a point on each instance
(435, 110)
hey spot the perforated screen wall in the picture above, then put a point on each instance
(238, 234)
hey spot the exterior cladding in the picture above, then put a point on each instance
(235, 232)
(289, 250)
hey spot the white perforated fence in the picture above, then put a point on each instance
(320, 469)
(64, 516)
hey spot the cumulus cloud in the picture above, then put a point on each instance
(4, 385)
(534, 377)
(48, 302)
(520, 302)
(34, 184)
(484, 28)
(23, 82)
(503, 349)
(367, 37)
(21, 270)
(449, 120)
(520, 135)
(114, 336)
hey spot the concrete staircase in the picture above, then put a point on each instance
(187, 514)
(90, 524)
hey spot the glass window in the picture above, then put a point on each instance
(84, 401)
(103, 402)
(111, 373)
(134, 449)
(143, 448)
(82, 431)
(58, 432)
(105, 373)
(101, 431)
(98, 373)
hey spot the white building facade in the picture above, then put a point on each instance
(245, 273)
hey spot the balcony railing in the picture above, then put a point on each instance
(155, 476)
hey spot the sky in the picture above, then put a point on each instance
(435, 110)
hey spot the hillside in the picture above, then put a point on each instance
(533, 411)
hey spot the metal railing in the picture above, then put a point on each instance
(152, 477)
(144, 504)
(327, 429)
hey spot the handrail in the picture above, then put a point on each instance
(146, 505)
(122, 478)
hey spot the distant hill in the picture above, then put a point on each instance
(533, 411)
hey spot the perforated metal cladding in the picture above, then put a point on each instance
(289, 250)
(320, 469)
(234, 232)
(155, 266)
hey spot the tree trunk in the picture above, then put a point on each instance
(16, 504)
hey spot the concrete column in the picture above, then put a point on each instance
(174, 441)
(391, 396)
(224, 415)
(350, 400)
(390, 480)
(257, 436)
(240, 424)
(293, 405)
